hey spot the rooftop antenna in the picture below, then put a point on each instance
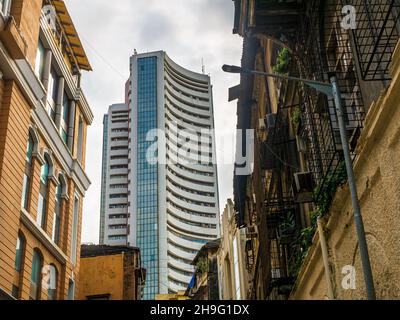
(203, 67)
(134, 51)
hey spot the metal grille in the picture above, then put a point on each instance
(376, 35)
(280, 209)
(324, 48)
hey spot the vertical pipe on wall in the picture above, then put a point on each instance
(325, 258)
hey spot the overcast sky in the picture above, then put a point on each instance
(188, 30)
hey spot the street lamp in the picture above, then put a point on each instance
(332, 90)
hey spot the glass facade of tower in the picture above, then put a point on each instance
(147, 174)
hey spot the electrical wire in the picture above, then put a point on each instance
(280, 159)
(104, 59)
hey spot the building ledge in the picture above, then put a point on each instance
(39, 233)
(13, 39)
(4, 295)
(21, 72)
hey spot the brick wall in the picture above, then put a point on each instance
(14, 122)
(26, 13)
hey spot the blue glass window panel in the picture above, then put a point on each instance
(147, 175)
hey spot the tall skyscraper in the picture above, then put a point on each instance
(114, 189)
(170, 207)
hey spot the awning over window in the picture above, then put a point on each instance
(72, 35)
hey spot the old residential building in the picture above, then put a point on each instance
(378, 184)
(204, 282)
(298, 165)
(111, 273)
(43, 123)
(232, 271)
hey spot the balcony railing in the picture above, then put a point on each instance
(376, 35)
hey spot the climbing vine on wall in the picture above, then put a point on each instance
(323, 197)
(282, 62)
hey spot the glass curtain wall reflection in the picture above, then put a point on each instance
(147, 174)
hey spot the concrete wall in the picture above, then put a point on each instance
(102, 275)
(226, 267)
(117, 275)
(377, 173)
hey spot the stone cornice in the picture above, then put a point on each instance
(38, 156)
(39, 233)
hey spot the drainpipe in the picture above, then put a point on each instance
(324, 250)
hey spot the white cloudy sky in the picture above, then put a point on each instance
(188, 30)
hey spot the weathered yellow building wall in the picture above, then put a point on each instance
(377, 171)
(102, 275)
(180, 295)
(225, 255)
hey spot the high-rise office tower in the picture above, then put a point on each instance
(168, 208)
(114, 189)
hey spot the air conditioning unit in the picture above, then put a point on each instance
(303, 187)
(251, 232)
(270, 121)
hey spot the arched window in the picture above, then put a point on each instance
(19, 261)
(52, 283)
(27, 174)
(42, 201)
(57, 212)
(36, 275)
(19, 253)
